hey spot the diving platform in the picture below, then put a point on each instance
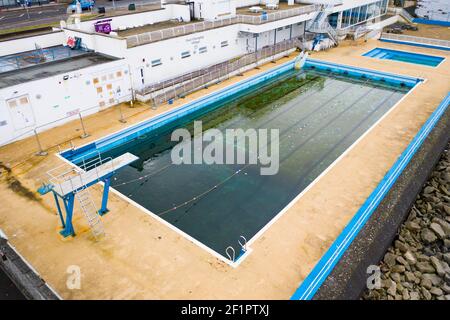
(66, 184)
(69, 182)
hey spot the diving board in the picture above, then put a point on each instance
(78, 181)
(68, 182)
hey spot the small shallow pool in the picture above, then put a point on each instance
(402, 56)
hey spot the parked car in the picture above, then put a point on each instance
(85, 4)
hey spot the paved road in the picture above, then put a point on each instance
(35, 15)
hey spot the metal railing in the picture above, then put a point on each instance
(418, 40)
(279, 15)
(320, 24)
(80, 115)
(153, 36)
(73, 175)
(164, 91)
(405, 14)
(38, 56)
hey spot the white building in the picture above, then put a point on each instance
(158, 54)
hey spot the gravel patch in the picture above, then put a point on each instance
(416, 266)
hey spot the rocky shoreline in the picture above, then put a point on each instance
(416, 266)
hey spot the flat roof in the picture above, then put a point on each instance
(25, 59)
(132, 31)
(49, 69)
(282, 6)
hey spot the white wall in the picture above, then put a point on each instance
(335, 2)
(54, 98)
(106, 44)
(169, 51)
(214, 9)
(248, 3)
(348, 4)
(29, 43)
(131, 20)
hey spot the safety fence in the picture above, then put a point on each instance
(149, 37)
(164, 91)
(416, 40)
(82, 129)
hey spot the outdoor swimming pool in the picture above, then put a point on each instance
(319, 113)
(402, 56)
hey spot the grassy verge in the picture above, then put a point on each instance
(5, 32)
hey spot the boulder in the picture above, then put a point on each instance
(398, 268)
(437, 229)
(426, 294)
(437, 266)
(414, 295)
(425, 267)
(389, 259)
(436, 291)
(426, 283)
(409, 256)
(428, 236)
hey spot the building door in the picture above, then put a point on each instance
(21, 112)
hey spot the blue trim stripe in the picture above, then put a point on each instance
(314, 280)
(432, 22)
(358, 72)
(415, 44)
(106, 143)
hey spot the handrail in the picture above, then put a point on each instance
(149, 37)
(174, 88)
(414, 39)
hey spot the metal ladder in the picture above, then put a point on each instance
(90, 212)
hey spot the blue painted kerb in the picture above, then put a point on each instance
(314, 280)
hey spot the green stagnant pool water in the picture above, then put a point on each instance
(318, 116)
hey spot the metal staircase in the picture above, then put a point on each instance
(319, 24)
(90, 212)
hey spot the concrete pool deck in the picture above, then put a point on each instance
(143, 259)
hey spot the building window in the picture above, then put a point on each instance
(224, 44)
(185, 54)
(156, 63)
(202, 49)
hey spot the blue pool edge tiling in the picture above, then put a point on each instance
(432, 22)
(415, 58)
(117, 138)
(323, 268)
